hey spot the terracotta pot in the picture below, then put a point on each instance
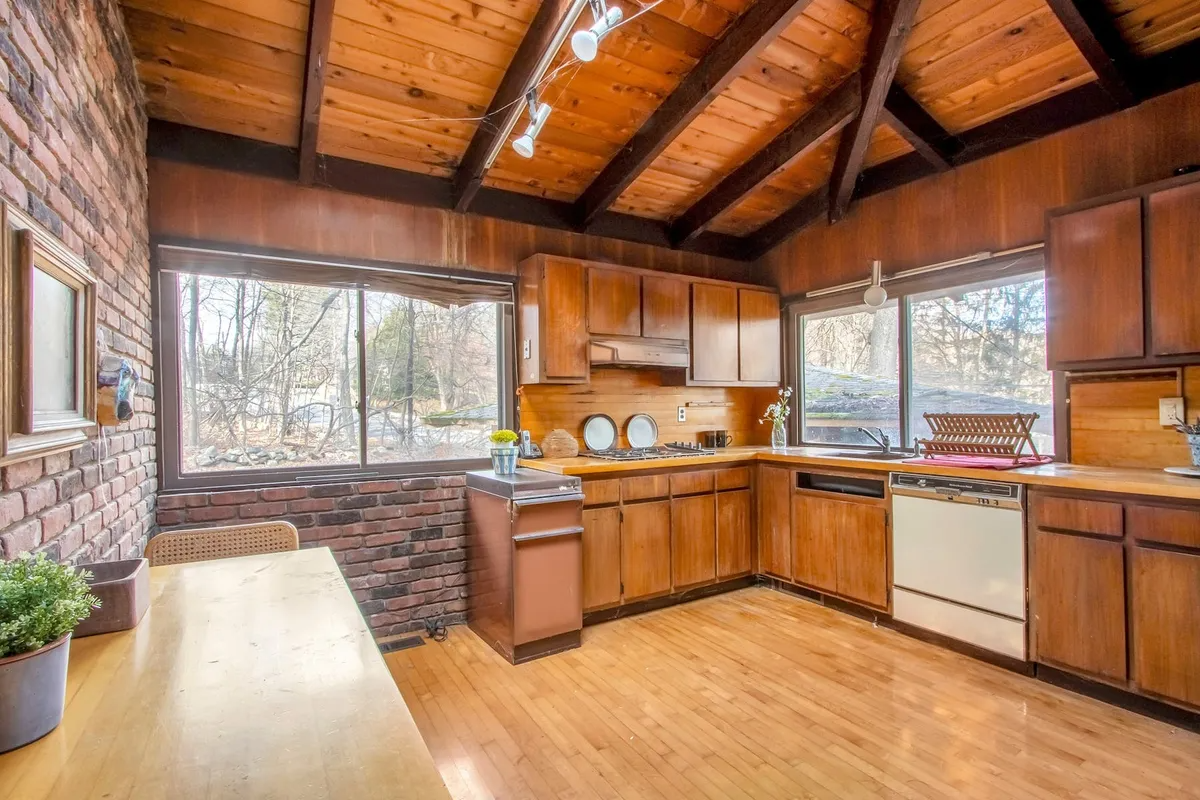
(33, 689)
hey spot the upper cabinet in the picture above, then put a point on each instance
(614, 302)
(732, 331)
(1120, 270)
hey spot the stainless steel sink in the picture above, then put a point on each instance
(870, 456)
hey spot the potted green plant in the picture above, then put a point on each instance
(777, 414)
(504, 451)
(41, 602)
(1192, 432)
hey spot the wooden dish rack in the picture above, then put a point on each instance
(989, 435)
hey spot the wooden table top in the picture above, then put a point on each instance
(248, 677)
(1154, 483)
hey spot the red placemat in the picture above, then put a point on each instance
(979, 462)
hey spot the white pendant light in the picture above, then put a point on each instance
(586, 43)
(875, 295)
(538, 113)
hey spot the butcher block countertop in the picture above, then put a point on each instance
(1149, 482)
(248, 677)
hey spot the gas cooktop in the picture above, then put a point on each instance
(672, 450)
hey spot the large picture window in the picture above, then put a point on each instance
(275, 380)
(967, 347)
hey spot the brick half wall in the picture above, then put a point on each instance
(400, 543)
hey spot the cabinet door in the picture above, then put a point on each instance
(758, 336)
(733, 533)
(775, 521)
(1094, 284)
(1078, 602)
(564, 339)
(862, 572)
(815, 524)
(614, 302)
(714, 333)
(693, 540)
(664, 308)
(1166, 623)
(601, 557)
(645, 550)
(1173, 246)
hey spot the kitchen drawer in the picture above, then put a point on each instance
(691, 482)
(1165, 525)
(602, 493)
(645, 487)
(736, 478)
(1096, 517)
(534, 518)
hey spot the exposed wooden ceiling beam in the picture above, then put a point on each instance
(320, 31)
(906, 116)
(827, 118)
(811, 208)
(744, 40)
(1091, 27)
(175, 142)
(892, 23)
(517, 78)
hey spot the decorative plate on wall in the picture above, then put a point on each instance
(599, 432)
(641, 430)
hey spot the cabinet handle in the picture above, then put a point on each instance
(550, 534)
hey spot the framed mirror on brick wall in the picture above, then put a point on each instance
(48, 376)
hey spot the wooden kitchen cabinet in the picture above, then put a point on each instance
(862, 553)
(601, 557)
(1173, 264)
(714, 333)
(645, 550)
(1094, 284)
(551, 320)
(664, 308)
(693, 540)
(1077, 590)
(815, 525)
(758, 336)
(775, 521)
(614, 302)
(733, 534)
(1165, 623)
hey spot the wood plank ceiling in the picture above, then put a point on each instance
(731, 102)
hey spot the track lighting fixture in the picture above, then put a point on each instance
(538, 112)
(586, 43)
(875, 295)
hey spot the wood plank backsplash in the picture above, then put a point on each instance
(1114, 423)
(621, 393)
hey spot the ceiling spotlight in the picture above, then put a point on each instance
(875, 295)
(586, 44)
(538, 112)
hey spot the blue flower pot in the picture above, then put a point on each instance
(504, 460)
(1194, 443)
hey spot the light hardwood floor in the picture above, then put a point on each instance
(757, 694)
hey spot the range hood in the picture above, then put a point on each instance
(636, 351)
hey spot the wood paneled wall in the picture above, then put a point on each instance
(237, 208)
(621, 393)
(995, 203)
(1114, 423)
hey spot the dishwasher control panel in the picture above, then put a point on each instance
(974, 492)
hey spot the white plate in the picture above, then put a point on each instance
(641, 430)
(1187, 472)
(599, 432)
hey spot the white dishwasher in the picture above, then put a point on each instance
(958, 555)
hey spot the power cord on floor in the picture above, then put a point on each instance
(436, 630)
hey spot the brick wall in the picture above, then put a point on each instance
(72, 154)
(399, 542)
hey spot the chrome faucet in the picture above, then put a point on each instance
(885, 444)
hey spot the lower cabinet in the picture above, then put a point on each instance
(645, 549)
(1077, 586)
(601, 557)
(1166, 623)
(693, 540)
(775, 521)
(733, 534)
(841, 547)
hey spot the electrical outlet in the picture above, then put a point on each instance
(1170, 411)
(528, 351)
(682, 415)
